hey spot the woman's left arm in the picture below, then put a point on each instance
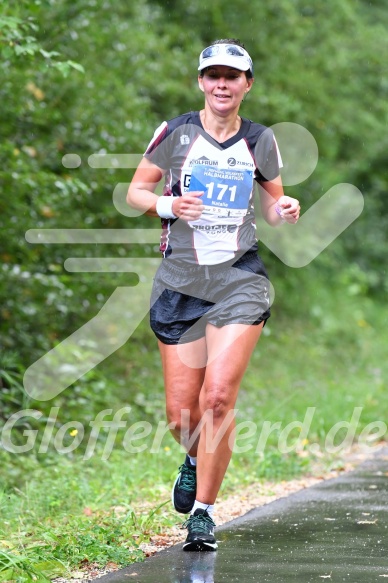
(276, 207)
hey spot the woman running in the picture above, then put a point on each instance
(210, 297)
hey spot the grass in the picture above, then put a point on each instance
(61, 512)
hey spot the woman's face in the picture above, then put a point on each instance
(224, 87)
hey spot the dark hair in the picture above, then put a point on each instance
(228, 41)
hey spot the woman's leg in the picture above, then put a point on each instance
(183, 385)
(218, 396)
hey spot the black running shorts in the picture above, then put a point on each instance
(186, 298)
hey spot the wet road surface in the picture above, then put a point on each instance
(335, 531)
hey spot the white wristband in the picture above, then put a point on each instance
(164, 207)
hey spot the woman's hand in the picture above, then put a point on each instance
(288, 208)
(188, 207)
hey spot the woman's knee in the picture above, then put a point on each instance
(182, 417)
(217, 400)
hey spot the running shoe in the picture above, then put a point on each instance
(185, 487)
(200, 536)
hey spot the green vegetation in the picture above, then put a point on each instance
(85, 77)
(61, 512)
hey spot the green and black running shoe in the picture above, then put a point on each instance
(201, 532)
(185, 487)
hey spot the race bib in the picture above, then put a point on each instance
(226, 192)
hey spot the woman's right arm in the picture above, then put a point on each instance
(141, 195)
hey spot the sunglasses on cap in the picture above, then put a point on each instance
(226, 54)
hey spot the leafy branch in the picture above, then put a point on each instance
(17, 41)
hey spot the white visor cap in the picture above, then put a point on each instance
(227, 55)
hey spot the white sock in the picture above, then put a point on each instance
(208, 507)
(193, 460)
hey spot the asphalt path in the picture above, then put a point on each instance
(334, 531)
